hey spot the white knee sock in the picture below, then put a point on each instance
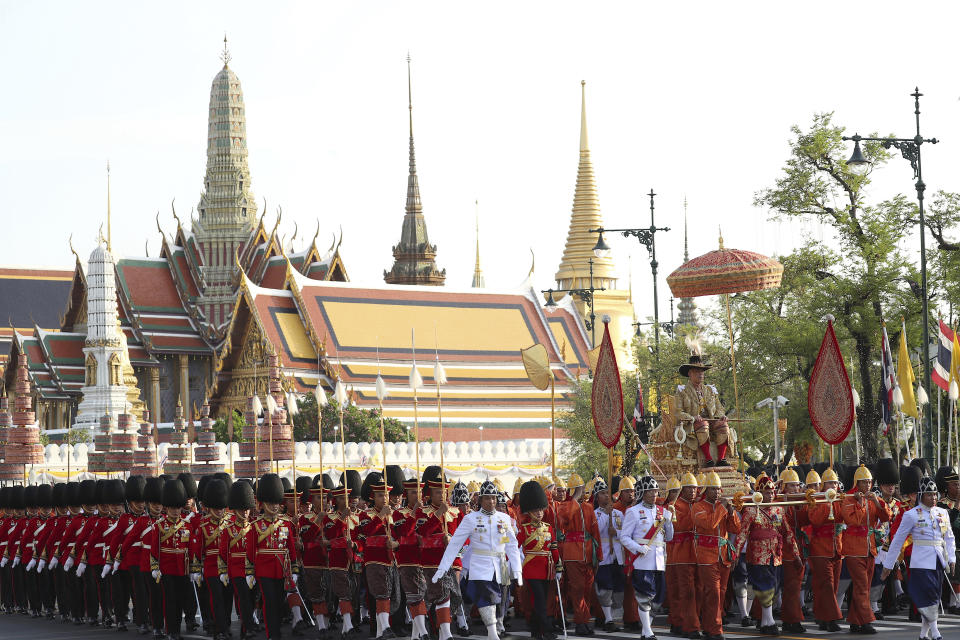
(742, 605)
(347, 624)
(321, 621)
(607, 613)
(419, 627)
(646, 631)
(364, 613)
(955, 599)
(462, 620)
(897, 588)
(766, 618)
(383, 623)
(934, 631)
(924, 627)
(489, 616)
(841, 591)
(297, 616)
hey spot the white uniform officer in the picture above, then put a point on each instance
(647, 526)
(494, 556)
(609, 577)
(934, 550)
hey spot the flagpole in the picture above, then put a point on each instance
(414, 374)
(439, 377)
(939, 425)
(553, 429)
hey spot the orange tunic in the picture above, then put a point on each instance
(712, 523)
(581, 534)
(860, 537)
(826, 540)
(682, 550)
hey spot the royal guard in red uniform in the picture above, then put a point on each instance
(407, 556)
(887, 477)
(232, 559)
(436, 521)
(714, 520)
(36, 525)
(58, 525)
(314, 552)
(765, 533)
(153, 496)
(272, 553)
(336, 531)
(90, 551)
(826, 556)
(794, 567)
(205, 554)
(862, 511)
(80, 498)
(541, 556)
(170, 540)
(125, 548)
(375, 534)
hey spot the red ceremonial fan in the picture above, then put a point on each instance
(607, 396)
(830, 396)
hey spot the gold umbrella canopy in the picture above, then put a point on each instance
(725, 271)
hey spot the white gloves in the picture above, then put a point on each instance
(116, 566)
(16, 561)
(31, 564)
(436, 577)
(195, 578)
(41, 565)
(54, 561)
(295, 578)
(156, 574)
(81, 568)
(251, 581)
(225, 579)
(68, 564)
(4, 562)
(643, 550)
(519, 578)
(106, 571)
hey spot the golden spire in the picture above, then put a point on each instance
(585, 216)
(109, 246)
(478, 282)
(225, 56)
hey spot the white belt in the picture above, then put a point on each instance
(489, 554)
(646, 541)
(928, 543)
(135, 545)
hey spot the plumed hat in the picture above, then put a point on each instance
(241, 496)
(532, 496)
(887, 471)
(153, 490)
(189, 484)
(174, 494)
(135, 486)
(215, 494)
(270, 489)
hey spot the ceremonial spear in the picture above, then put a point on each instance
(440, 377)
(381, 394)
(415, 382)
(321, 397)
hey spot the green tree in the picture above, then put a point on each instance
(360, 425)
(870, 274)
(220, 427)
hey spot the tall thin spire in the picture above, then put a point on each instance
(478, 282)
(225, 56)
(109, 235)
(414, 258)
(686, 306)
(586, 216)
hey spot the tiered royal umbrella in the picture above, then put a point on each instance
(723, 272)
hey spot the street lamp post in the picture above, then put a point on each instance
(910, 149)
(776, 403)
(586, 295)
(668, 327)
(647, 237)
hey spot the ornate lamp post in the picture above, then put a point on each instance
(910, 149)
(586, 295)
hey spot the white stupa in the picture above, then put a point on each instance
(104, 391)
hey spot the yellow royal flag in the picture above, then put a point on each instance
(955, 360)
(905, 377)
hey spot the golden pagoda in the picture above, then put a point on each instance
(574, 270)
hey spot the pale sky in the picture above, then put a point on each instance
(692, 99)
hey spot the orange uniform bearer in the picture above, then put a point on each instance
(714, 519)
(683, 592)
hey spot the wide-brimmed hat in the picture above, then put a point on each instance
(696, 362)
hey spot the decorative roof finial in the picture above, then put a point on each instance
(584, 145)
(109, 245)
(225, 56)
(686, 254)
(409, 94)
(721, 237)
(478, 281)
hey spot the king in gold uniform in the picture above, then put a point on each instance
(701, 414)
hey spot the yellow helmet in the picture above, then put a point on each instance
(516, 486)
(712, 480)
(499, 485)
(673, 483)
(813, 477)
(763, 474)
(830, 476)
(862, 473)
(559, 483)
(626, 482)
(688, 480)
(588, 488)
(789, 475)
(473, 487)
(573, 481)
(701, 479)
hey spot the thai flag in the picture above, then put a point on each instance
(638, 405)
(941, 368)
(888, 381)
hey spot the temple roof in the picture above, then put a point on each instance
(360, 330)
(31, 297)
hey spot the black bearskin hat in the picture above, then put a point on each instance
(215, 494)
(135, 486)
(532, 496)
(174, 495)
(241, 496)
(270, 489)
